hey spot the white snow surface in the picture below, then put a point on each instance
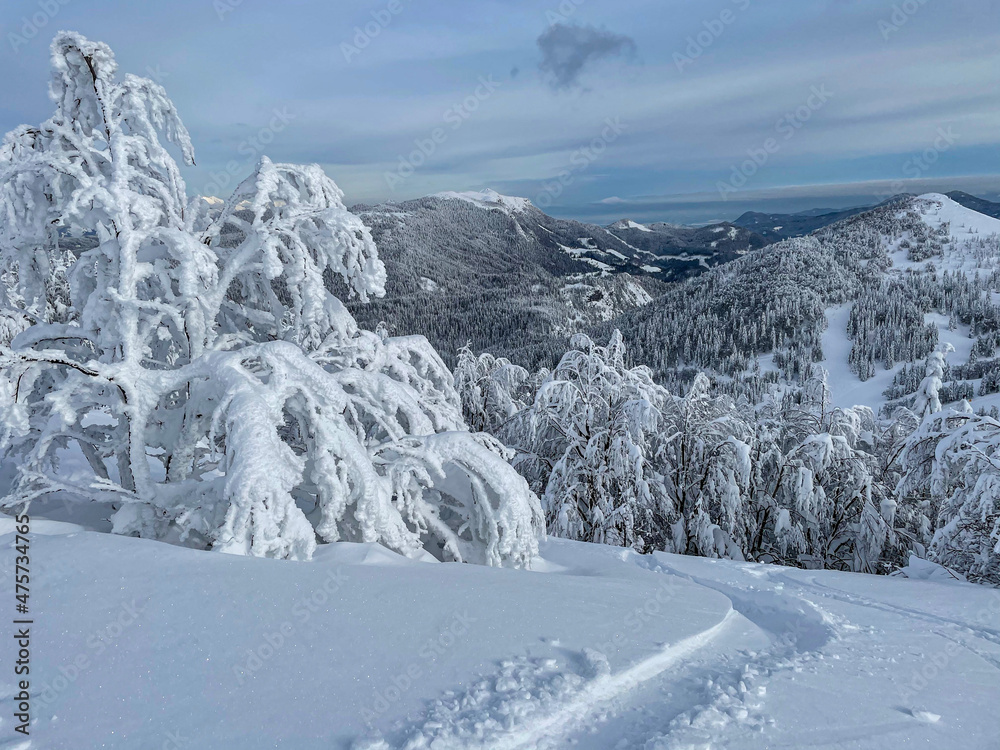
(846, 388)
(488, 199)
(138, 643)
(937, 209)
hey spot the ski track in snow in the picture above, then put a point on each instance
(798, 628)
(986, 634)
(532, 704)
(529, 705)
(700, 693)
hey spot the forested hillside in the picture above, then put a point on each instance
(897, 274)
(499, 273)
(765, 410)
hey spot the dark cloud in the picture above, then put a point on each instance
(569, 48)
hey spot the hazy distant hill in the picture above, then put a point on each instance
(777, 227)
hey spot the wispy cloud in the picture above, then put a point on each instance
(685, 130)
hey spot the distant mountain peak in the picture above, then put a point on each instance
(624, 224)
(488, 199)
(938, 209)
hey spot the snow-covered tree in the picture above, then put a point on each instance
(953, 460)
(587, 442)
(816, 496)
(618, 459)
(928, 400)
(834, 507)
(216, 391)
(491, 388)
(704, 453)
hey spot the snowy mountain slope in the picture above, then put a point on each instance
(963, 254)
(496, 272)
(867, 298)
(668, 252)
(664, 251)
(561, 246)
(979, 205)
(937, 210)
(595, 648)
(488, 199)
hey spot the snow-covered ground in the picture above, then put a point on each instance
(846, 388)
(937, 209)
(138, 644)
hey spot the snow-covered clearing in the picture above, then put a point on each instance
(139, 643)
(846, 388)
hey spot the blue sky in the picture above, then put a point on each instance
(675, 110)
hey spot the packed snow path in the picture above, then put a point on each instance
(140, 644)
